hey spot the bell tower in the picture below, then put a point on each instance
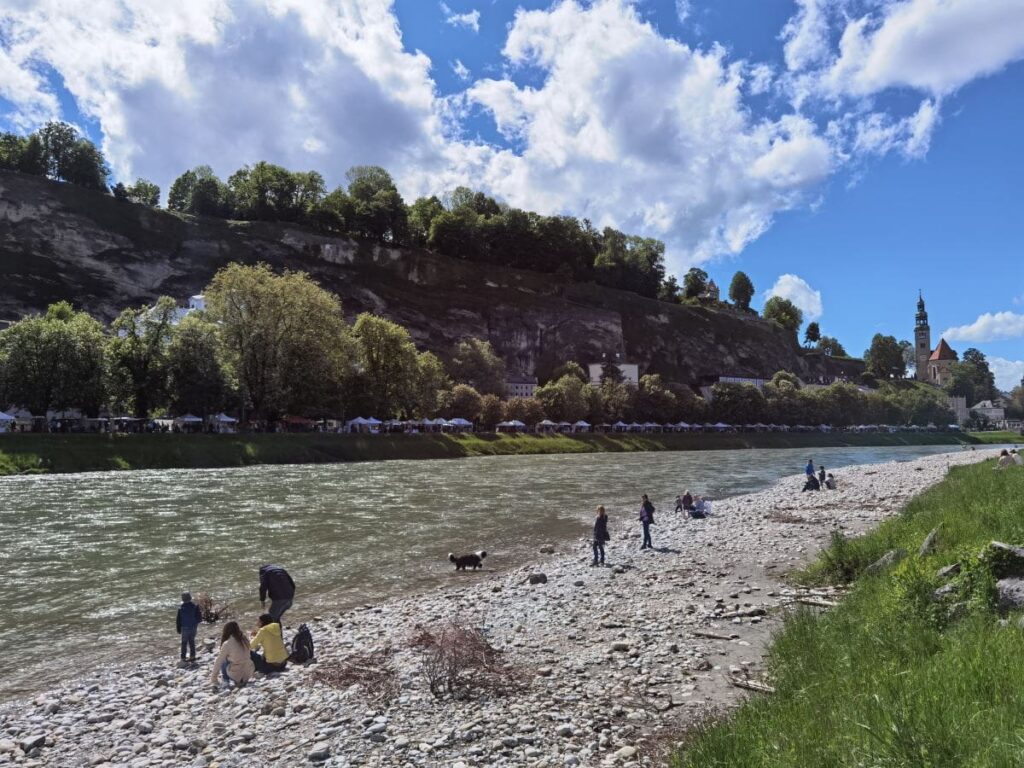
(922, 340)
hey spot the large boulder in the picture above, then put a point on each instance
(1011, 594)
(1004, 560)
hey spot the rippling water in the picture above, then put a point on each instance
(93, 564)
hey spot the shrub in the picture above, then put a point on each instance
(460, 662)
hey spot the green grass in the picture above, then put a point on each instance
(1004, 436)
(87, 453)
(887, 678)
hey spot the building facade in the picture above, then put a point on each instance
(630, 373)
(933, 366)
(521, 386)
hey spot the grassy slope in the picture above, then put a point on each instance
(84, 453)
(997, 437)
(885, 679)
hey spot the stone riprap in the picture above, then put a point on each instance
(620, 659)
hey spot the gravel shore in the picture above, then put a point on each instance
(619, 659)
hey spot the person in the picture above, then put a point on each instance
(679, 503)
(268, 636)
(1017, 458)
(700, 509)
(275, 582)
(188, 620)
(646, 520)
(821, 477)
(233, 662)
(1005, 460)
(600, 536)
(809, 469)
(830, 482)
(687, 502)
(812, 484)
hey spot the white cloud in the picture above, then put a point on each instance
(806, 35)
(988, 327)
(470, 20)
(798, 291)
(930, 45)
(759, 78)
(683, 10)
(461, 70)
(1008, 373)
(878, 133)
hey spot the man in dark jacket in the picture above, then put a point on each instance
(189, 618)
(646, 520)
(275, 582)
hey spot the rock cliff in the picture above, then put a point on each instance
(62, 242)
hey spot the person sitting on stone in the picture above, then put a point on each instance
(812, 484)
(699, 509)
(233, 664)
(1017, 458)
(268, 636)
(830, 482)
(1005, 460)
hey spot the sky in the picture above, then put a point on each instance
(843, 153)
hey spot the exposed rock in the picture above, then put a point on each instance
(1006, 560)
(928, 545)
(886, 561)
(537, 578)
(1011, 594)
(948, 571)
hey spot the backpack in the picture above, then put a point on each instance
(302, 646)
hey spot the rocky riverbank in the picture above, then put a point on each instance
(618, 659)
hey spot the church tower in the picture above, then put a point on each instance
(922, 340)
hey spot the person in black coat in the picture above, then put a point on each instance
(275, 582)
(646, 521)
(600, 536)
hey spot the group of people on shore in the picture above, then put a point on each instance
(693, 506)
(820, 481)
(1009, 458)
(239, 657)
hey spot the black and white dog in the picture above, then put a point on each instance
(474, 561)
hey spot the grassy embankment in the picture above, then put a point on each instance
(997, 438)
(86, 453)
(890, 677)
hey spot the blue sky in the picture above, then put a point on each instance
(844, 153)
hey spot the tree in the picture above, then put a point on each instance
(58, 141)
(200, 192)
(120, 192)
(617, 400)
(12, 150)
(654, 401)
(431, 381)
(137, 356)
(670, 290)
(984, 380)
(812, 334)
(525, 409)
(695, 283)
(571, 368)
(630, 263)
(284, 340)
(197, 380)
(565, 399)
(421, 217)
(389, 365)
(909, 357)
(491, 411)
(474, 362)
(144, 192)
(737, 403)
(784, 312)
(962, 382)
(741, 290)
(884, 359)
(378, 211)
(464, 402)
(54, 361)
(86, 166)
(830, 346)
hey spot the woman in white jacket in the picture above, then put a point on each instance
(234, 664)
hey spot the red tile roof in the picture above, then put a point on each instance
(943, 352)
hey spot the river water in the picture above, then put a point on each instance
(92, 564)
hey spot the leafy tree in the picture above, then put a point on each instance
(812, 334)
(268, 192)
(144, 192)
(630, 263)
(54, 361)
(528, 410)
(695, 282)
(491, 411)
(618, 399)
(565, 399)
(831, 347)
(200, 192)
(86, 166)
(909, 357)
(197, 380)
(284, 338)
(333, 212)
(571, 368)
(58, 141)
(431, 381)
(984, 379)
(654, 401)
(784, 312)
(962, 381)
(137, 356)
(737, 403)
(456, 234)
(741, 290)
(421, 217)
(120, 192)
(464, 402)
(378, 211)
(670, 290)
(33, 159)
(474, 362)
(389, 365)
(12, 149)
(884, 359)
(1015, 403)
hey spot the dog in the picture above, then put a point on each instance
(474, 561)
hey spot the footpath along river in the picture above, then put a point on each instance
(93, 564)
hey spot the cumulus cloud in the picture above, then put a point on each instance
(931, 45)
(989, 327)
(461, 70)
(806, 35)
(878, 133)
(1007, 373)
(798, 291)
(683, 9)
(469, 20)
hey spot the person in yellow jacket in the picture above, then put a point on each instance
(268, 637)
(233, 663)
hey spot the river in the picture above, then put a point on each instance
(93, 564)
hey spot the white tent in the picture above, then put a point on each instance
(358, 421)
(374, 422)
(188, 418)
(720, 426)
(4, 418)
(682, 425)
(581, 426)
(223, 418)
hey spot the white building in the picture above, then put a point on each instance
(630, 373)
(520, 386)
(991, 410)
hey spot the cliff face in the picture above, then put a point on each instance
(60, 242)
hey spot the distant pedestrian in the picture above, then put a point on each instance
(821, 476)
(700, 509)
(188, 621)
(646, 520)
(275, 582)
(687, 502)
(809, 469)
(600, 536)
(830, 482)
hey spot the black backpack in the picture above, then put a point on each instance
(302, 646)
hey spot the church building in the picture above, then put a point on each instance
(933, 365)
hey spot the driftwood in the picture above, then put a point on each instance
(817, 602)
(713, 636)
(751, 685)
(744, 614)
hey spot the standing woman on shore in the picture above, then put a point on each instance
(233, 662)
(646, 520)
(600, 536)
